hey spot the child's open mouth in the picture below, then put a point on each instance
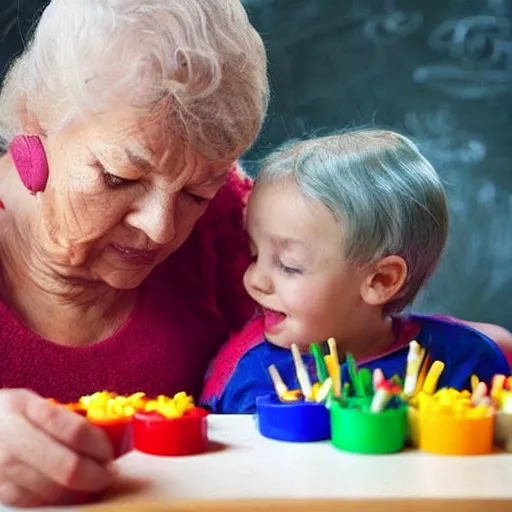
(272, 318)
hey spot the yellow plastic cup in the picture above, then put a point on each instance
(449, 435)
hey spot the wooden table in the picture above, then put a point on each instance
(245, 466)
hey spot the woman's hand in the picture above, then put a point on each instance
(47, 451)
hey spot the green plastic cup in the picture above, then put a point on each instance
(361, 431)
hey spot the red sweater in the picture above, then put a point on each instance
(187, 308)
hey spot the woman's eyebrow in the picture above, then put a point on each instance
(142, 161)
(138, 160)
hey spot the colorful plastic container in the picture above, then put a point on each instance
(119, 432)
(75, 407)
(296, 422)
(157, 435)
(503, 430)
(360, 431)
(448, 435)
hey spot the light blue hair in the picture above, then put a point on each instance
(385, 194)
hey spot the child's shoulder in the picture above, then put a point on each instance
(462, 349)
(451, 335)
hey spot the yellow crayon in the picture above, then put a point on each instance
(432, 377)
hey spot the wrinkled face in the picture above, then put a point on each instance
(120, 198)
(307, 291)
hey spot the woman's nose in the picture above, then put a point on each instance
(156, 218)
(257, 280)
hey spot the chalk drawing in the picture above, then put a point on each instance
(393, 24)
(443, 141)
(479, 49)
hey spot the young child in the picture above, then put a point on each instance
(345, 230)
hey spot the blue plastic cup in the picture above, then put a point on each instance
(296, 422)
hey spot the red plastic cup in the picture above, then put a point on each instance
(81, 412)
(155, 434)
(119, 431)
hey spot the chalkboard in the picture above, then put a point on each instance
(17, 17)
(439, 71)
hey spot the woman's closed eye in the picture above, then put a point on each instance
(112, 181)
(196, 198)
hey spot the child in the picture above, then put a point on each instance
(345, 230)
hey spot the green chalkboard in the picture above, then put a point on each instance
(438, 71)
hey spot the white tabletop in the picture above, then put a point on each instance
(249, 466)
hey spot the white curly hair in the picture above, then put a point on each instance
(199, 64)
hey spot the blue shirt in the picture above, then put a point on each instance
(463, 350)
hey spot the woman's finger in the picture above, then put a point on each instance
(13, 495)
(67, 468)
(69, 428)
(59, 444)
(32, 481)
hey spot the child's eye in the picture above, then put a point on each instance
(289, 270)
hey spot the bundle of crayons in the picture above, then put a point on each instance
(501, 393)
(369, 391)
(420, 388)
(421, 377)
(328, 373)
(363, 389)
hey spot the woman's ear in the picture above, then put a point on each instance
(29, 122)
(384, 281)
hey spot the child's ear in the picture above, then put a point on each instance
(384, 280)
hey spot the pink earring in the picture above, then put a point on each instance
(29, 158)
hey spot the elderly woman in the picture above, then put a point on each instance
(121, 125)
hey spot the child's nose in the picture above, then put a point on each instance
(257, 280)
